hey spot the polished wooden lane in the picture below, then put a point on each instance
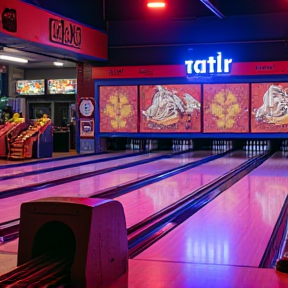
(174, 273)
(156, 274)
(4, 161)
(8, 166)
(63, 173)
(10, 207)
(145, 201)
(40, 164)
(228, 232)
(150, 199)
(8, 261)
(233, 229)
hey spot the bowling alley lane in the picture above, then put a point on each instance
(40, 165)
(233, 229)
(10, 207)
(189, 275)
(150, 199)
(72, 171)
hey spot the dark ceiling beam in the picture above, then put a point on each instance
(210, 6)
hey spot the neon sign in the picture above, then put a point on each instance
(208, 66)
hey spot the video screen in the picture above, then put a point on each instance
(30, 87)
(170, 108)
(62, 86)
(269, 107)
(226, 108)
(118, 108)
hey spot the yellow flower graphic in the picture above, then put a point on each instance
(225, 107)
(118, 108)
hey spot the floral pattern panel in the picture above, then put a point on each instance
(118, 108)
(226, 108)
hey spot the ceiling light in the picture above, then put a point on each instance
(15, 59)
(156, 4)
(210, 6)
(56, 63)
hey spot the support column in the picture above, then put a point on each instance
(86, 136)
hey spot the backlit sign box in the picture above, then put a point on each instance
(210, 66)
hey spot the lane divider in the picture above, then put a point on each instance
(8, 232)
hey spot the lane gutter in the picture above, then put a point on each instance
(144, 234)
(51, 169)
(45, 160)
(9, 232)
(277, 246)
(42, 185)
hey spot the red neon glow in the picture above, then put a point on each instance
(156, 4)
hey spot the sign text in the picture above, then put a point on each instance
(65, 33)
(208, 66)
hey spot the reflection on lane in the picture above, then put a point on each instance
(233, 229)
(86, 187)
(150, 199)
(72, 171)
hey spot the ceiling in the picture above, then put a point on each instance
(97, 12)
(122, 10)
(34, 60)
(105, 11)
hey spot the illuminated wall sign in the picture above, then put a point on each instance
(212, 65)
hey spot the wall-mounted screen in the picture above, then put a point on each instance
(269, 107)
(170, 108)
(30, 87)
(62, 86)
(226, 108)
(118, 108)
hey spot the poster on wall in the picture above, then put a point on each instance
(269, 107)
(226, 108)
(118, 108)
(170, 108)
(86, 128)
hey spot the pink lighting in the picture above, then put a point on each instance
(156, 4)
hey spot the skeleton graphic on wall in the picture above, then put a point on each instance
(167, 108)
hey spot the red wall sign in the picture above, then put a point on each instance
(138, 71)
(260, 68)
(30, 23)
(237, 69)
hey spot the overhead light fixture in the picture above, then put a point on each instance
(57, 63)
(210, 6)
(14, 59)
(156, 4)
